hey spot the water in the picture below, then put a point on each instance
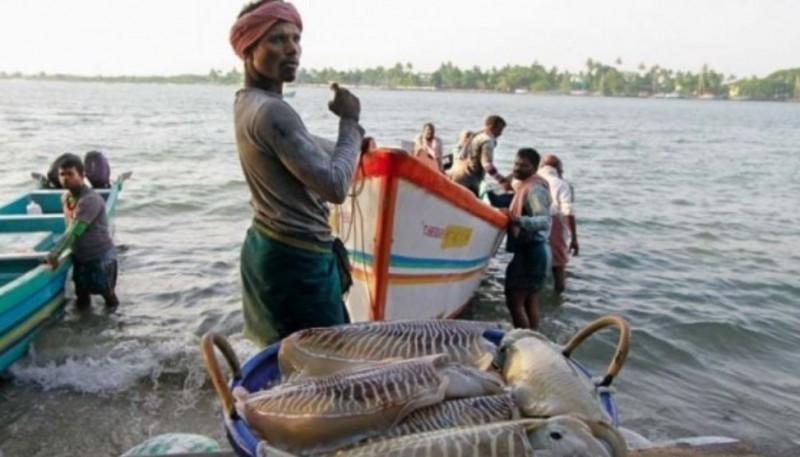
(687, 215)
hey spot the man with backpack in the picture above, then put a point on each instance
(479, 158)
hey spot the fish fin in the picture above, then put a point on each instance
(486, 361)
(265, 450)
(422, 400)
(523, 396)
(240, 395)
(514, 405)
(611, 438)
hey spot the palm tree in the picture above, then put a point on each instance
(797, 86)
(654, 78)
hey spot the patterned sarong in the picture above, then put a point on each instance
(288, 286)
(558, 242)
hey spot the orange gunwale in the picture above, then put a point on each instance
(389, 166)
(394, 163)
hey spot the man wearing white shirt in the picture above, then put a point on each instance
(563, 217)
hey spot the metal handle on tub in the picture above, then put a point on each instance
(622, 346)
(207, 344)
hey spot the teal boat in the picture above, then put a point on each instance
(31, 293)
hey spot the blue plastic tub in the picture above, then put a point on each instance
(262, 370)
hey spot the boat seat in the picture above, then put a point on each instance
(15, 223)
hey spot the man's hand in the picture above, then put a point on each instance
(573, 247)
(52, 261)
(507, 212)
(344, 104)
(506, 183)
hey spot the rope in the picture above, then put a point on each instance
(356, 213)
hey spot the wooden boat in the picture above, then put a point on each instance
(418, 242)
(31, 293)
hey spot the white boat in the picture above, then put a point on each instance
(418, 242)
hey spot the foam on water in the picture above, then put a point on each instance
(119, 365)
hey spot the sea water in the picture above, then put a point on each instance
(687, 217)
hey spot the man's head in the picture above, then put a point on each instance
(267, 37)
(526, 163)
(70, 172)
(428, 131)
(368, 144)
(553, 161)
(495, 125)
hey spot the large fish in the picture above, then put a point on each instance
(562, 436)
(455, 413)
(323, 351)
(570, 436)
(544, 383)
(316, 414)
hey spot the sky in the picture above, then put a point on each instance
(166, 37)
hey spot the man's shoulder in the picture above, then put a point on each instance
(484, 140)
(91, 197)
(261, 111)
(259, 100)
(481, 137)
(552, 179)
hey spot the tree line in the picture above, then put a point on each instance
(595, 78)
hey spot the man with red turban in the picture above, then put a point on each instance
(290, 279)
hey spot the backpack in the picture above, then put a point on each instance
(97, 170)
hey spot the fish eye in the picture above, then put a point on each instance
(556, 435)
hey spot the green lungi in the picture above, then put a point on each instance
(288, 285)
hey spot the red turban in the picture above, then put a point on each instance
(249, 28)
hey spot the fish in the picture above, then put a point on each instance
(562, 436)
(544, 382)
(454, 413)
(570, 436)
(327, 350)
(315, 414)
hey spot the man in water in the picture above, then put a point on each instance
(563, 218)
(94, 255)
(527, 240)
(479, 158)
(290, 279)
(428, 147)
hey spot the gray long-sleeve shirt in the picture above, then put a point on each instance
(291, 173)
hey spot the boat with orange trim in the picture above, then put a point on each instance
(418, 242)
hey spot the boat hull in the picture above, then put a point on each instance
(418, 243)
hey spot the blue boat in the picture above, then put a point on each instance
(31, 293)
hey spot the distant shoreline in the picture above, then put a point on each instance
(204, 80)
(595, 79)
